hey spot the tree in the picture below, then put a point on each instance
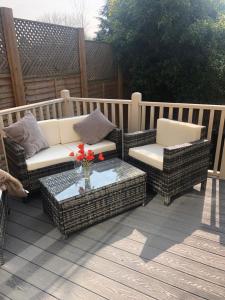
(171, 50)
(77, 17)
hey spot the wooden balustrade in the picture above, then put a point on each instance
(132, 115)
(113, 109)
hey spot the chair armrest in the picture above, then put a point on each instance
(115, 136)
(179, 156)
(138, 138)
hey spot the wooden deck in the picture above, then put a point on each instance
(152, 252)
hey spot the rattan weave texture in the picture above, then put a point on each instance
(183, 165)
(73, 203)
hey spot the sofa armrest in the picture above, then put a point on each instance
(116, 137)
(138, 138)
(184, 155)
(14, 147)
(16, 159)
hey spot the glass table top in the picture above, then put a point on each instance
(71, 184)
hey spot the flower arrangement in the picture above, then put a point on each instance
(85, 158)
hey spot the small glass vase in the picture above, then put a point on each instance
(86, 171)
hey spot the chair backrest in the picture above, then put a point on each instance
(170, 133)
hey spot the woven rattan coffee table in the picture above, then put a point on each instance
(74, 203)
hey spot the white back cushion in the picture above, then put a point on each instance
(67, 133)
(50, 130)
(170, 133)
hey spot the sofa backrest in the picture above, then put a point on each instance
(170, 133)
(50, 130)
(66, 131)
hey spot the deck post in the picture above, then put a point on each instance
(83, 63)
(68, 110)
(133, 112)
(6, 16)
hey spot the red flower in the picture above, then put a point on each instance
(71, 154)
(81, 147)
(101, 156)
(80, 157)
(90, 157)
(81, 151)
(90, 152)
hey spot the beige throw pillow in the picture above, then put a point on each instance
(94, 128)
(27, 133)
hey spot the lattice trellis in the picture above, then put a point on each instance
(4, 67)
(47, 49)
(100, 62)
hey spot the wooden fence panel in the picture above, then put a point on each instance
(52, 58)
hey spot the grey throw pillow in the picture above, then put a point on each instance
(27, 133)
(94, 128)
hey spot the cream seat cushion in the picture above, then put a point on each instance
(102, 146)
(50, 130)
(66, 130)
(149, 154)
(48, 157)
(170, 133)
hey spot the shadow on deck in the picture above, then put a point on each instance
(152, 252)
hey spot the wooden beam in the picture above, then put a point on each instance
(83, 64)
(9, 32)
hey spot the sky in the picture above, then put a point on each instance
(32, 10)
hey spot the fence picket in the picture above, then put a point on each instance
(161, 109)
(121, 115)
(219, 143)
(170, 113)
(211, 119)
(54, 111)
(143, 117)
(200, 116)
(180, 114)
(152, 117)
(106, 111)
(113, 108)
(190, 115)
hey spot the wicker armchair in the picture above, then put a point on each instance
(171, 170)
(30, 179)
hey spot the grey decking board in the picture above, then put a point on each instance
(180, 248)
(125, 244)
(169, 233)
(141, 278)
(75, 273)
(47, 281)
(4, 297)
(216, 276)
(18, 289)
(169, 236)
(192, 281)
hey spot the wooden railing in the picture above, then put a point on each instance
(132, 115)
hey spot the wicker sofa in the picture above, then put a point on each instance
(62, 140)
(175, 156)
